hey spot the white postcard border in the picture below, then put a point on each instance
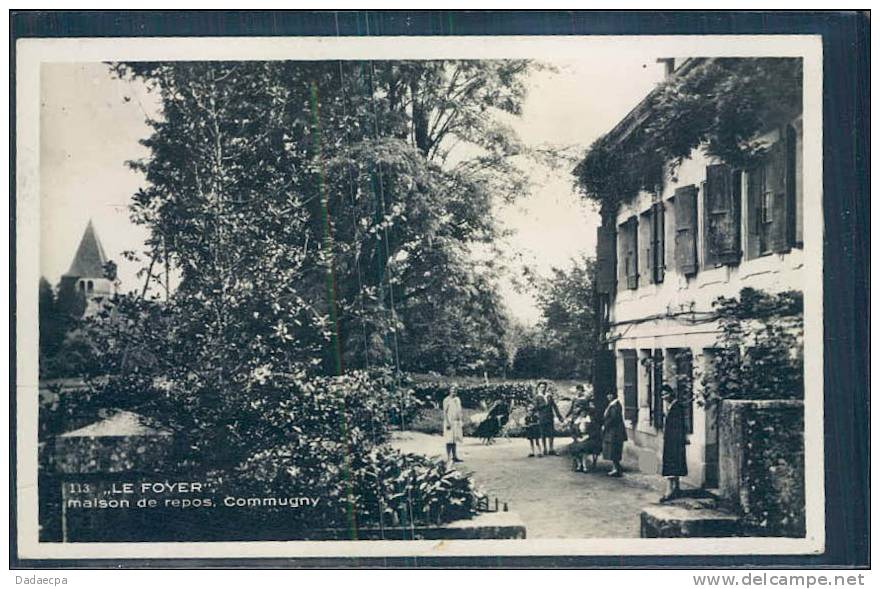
(31, 53)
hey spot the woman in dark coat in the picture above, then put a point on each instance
(674, 442)
(613, 433)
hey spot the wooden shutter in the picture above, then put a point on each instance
(632, 253)
(606, 259)
(630, 386)
(793, 188)
(622, 249)
(686, 229)
(658, 242)
(656, 395)
(604, 374)
(684, 386)
(722, 217)
(776, 183)
(732, 254)
(754, 194)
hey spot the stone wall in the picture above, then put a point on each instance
(761, 459)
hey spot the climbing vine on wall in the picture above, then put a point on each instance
(719, 105)
(760, 350)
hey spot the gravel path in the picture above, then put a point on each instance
(552, 500)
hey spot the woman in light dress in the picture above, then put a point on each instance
(453, 425)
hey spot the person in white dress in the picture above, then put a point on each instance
(452, 424)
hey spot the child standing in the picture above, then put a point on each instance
(532, 425)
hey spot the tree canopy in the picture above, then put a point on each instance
(563, 343)
(329, 206)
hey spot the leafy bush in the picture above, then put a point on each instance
(290, 435)
(379, 489)
(760, 351)
(774, 472)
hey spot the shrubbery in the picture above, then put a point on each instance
(287, 435)
(759, 353)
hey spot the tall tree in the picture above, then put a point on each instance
(562, 343)
(340, 197)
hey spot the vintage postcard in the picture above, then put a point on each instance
(419, 296)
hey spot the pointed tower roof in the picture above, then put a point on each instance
(90, 258)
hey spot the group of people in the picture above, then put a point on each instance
(593, 432)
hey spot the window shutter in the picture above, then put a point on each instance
(632, 253)
(755, 190)
(659, 218)
(686, 229)
(630, 387)
(754, 217)
(604, 372)
(656, 394)
(732, 253)
(684, 375)
(722, 218)
(776, 183)
(606, 258)
(622, 249)
(793, 188)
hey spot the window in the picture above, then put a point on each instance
(646, 250)
(630, 386)
(773, 194)
(628, 253)
(91, 286)
(721, 216)
(766, 206)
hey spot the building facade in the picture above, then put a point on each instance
(709, 231)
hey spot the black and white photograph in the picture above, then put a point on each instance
(420, 296)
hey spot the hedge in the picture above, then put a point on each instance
(474, 395)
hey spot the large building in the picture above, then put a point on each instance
(708, 230)
(87, 275)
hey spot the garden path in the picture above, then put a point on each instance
(552, 500)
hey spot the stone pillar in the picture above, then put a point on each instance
(761, 464)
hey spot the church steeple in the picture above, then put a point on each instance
(87, 277)
(90, 257)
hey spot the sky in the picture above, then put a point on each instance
(91, 124)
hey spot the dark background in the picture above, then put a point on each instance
(846, 150)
